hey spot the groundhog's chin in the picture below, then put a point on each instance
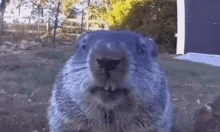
(109, 95)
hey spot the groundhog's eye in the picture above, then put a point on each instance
(84, 46)
(140, 46)
(142, 49)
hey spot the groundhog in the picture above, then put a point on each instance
(113, 83)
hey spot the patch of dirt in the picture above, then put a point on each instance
(27, 77)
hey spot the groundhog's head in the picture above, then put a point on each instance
(116, 60)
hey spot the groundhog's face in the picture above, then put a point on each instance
(112, 57)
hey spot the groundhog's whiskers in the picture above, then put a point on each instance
(75, 70)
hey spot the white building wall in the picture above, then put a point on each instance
(180, 49)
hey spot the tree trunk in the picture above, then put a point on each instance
(48, 24)
(87, 16)
(82, 21)
(38, 21)
(56, 20)
(0, 26)
(2, 8)
(2, 11)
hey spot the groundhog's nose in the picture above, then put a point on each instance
(106, 63)
(108, 55)
(110, 49)
(109, 61)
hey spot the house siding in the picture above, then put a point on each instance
(203, 26)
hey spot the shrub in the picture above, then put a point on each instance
(154, 18)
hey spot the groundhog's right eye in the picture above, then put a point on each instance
(142, 49)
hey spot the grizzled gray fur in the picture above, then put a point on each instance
(113, 83)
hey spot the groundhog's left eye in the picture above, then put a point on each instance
(84, 46)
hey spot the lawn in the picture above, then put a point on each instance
(26, 82)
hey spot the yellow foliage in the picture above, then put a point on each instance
(68, 6)
(122, 11)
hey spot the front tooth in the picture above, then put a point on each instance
(113, 87)
(107, 87)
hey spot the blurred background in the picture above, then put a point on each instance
(38, 36)
(62, 21)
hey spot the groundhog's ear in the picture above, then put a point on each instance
(154, 50)
(82, 40)
(147, 45)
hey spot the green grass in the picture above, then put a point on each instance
(186, 71)
(59, 56)
(189, 82)
(41, 75)
(177, 71)
(37, 76)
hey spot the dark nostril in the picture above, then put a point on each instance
(108, 64)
